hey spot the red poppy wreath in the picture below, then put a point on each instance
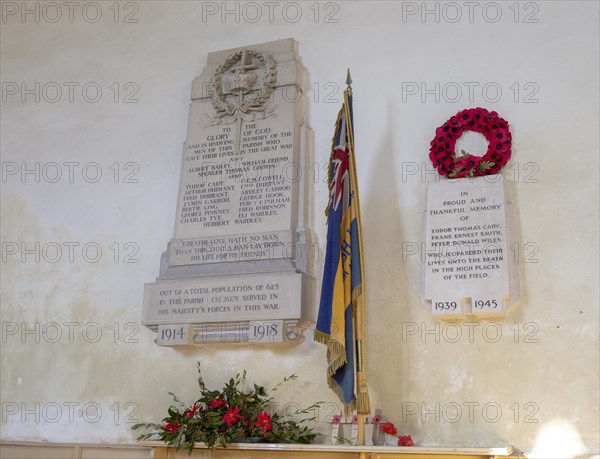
(494, 129)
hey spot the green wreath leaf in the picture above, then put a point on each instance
(485, 165)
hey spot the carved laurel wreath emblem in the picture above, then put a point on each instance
(266, 84)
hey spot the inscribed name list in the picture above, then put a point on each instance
(465, 254)
(236, 178)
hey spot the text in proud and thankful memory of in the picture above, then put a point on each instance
(465, 245)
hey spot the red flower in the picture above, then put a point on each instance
(433, 156)
(217, 403)
(466, 163)
(460, 163)
(389, 428)
(192, 411)
(500, 135)
(405, 440)
(465, 116)
(264, 421)
(173, 428)
(500, 147)
(232, 416)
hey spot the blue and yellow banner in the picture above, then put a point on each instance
(342, 294)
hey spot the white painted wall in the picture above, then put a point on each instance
(543, 371)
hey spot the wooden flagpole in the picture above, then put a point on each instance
(363, 404)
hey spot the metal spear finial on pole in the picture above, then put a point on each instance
(348, 78)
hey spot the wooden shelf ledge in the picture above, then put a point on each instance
(293, 451)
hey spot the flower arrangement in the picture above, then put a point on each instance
(490, 125)
(389, 429)
(405, 440)
(231, 414)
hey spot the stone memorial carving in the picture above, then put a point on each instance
(239, 265)
(469, 265)
(470, 262)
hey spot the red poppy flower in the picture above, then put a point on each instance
(264, 422)
(173, 428)
(465, 117)
(192, 411)
(232, 416)
(441, 137)
(460, 163)
(468, 162)
(501, 147)
(499, 135)
(405, 440)
(435, 156)
(437, 149)
(217, 403)
(389, 428)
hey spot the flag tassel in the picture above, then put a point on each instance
(363, 402)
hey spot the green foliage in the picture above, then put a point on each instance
(485, 165)
(220, 416)
(467, 165)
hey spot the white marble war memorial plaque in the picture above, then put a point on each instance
(240, 257)
(469, 262)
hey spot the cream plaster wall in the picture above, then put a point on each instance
(535, 386)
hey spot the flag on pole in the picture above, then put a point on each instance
(342, 294)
